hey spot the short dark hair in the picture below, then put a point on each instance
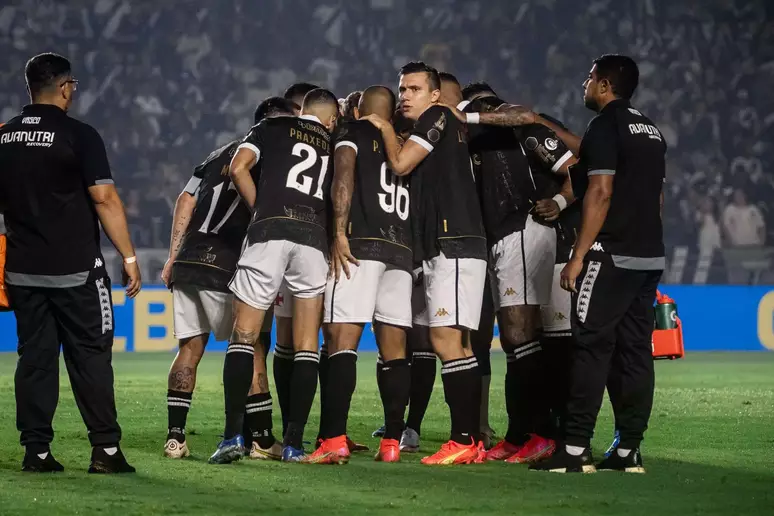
(273, 106)
(418, 66)
(448, 77)
(350, 103)
(320, 96)
(43, 71)
(474, 88)
(620, 71)
(299, 89)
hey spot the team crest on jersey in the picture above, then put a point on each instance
(434, 134)
(551, 144)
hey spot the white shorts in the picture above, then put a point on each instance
(454, 291)
(198, 312)
(418, 301)
(523, 266)
(264, 266)
(374, 291)
(283, 304)
(556, 314)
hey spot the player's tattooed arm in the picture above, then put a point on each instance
(344, 159)
(402, 160)
(239, 171)
(184, 207)
(571, 140)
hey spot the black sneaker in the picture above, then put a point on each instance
(101, 462)
(34, 463)
(632, 463)
(563, 462)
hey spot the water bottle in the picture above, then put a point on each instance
(666, 312)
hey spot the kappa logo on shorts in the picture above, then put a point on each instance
(559, 316)
(510, 292)
(441, 312)
(97, 263)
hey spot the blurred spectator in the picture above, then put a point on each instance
(709, 229)
(743, 222)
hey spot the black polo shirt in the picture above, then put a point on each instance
(47, 163)
(623, 142)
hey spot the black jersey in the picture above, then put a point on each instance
(379, 227)
(294, 184)
(568, 223)
(211, 245)
(48, 161)
(621, 141)
(446, 215)
(512, 164)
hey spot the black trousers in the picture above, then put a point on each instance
(613, 325)
(80, 319)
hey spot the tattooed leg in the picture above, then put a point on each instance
(182, 374)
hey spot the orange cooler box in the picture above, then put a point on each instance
(667, 340)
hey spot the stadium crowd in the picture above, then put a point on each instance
(166, 82)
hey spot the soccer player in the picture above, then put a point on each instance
(282, 365)
(371, 281)
(286, 242)
(208, 227)
(449, 240)
(523, 247)
(480, 339)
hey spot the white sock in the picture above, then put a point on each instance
(42, 455)
(623, 452)
(575, 451)
(111, 451)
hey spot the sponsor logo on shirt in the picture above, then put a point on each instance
(551, 144)
(31, 138)
(651, 130)
(31, 120)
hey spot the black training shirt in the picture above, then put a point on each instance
(47, 163)
(623, 142)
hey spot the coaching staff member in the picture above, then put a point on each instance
(615, 268)
(55, 184)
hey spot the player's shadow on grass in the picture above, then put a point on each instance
(194, 487)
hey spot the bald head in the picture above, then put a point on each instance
(324, 105)
(377, 100)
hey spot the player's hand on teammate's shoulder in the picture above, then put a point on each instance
(378, 122)
(341, 257)
(547, 209)
(131, 278)
(459, 115)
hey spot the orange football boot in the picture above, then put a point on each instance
(330, 451)
(537, 448)
(389, 451)
(502, 451)
(453, 453)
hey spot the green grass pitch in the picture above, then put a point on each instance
(709, 450)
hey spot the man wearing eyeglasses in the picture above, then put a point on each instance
(55, 190)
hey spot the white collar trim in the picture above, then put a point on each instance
(310, 117)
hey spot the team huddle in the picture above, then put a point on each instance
(427, 215)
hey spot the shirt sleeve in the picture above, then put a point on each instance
(600, 147)
(192, 187)
(542, 143)
(95, 167)
(254, 140)
(430, 127)
(345, 137)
